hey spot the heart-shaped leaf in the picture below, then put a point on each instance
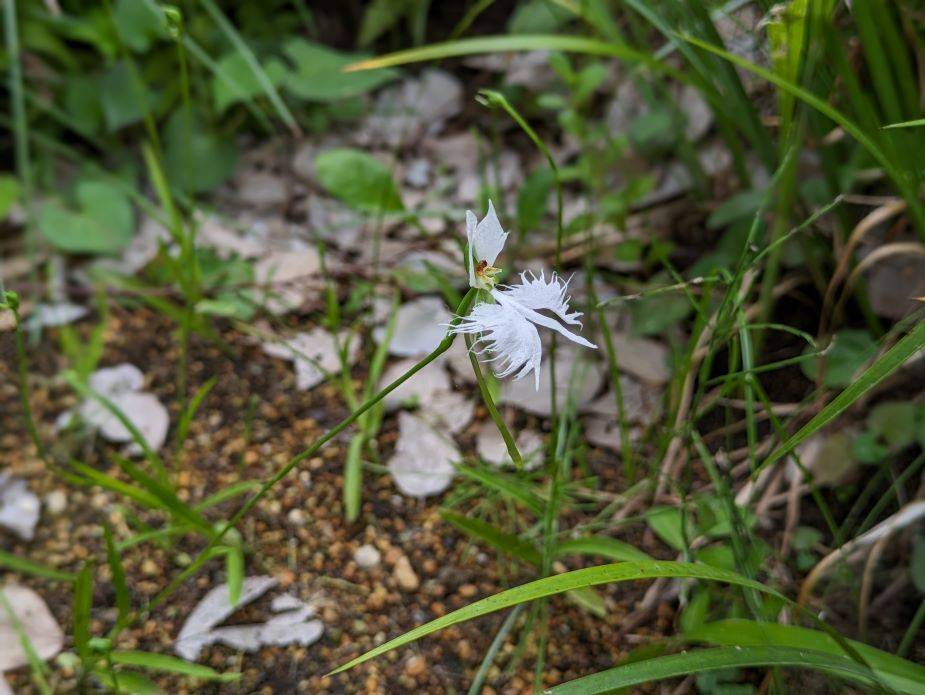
(197, 159)
(317, 75)
(102, 223)
(235, 81)
(358, 179)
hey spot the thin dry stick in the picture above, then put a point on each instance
(674, 453)
(909, 514)
(867, 583)
(870, 221)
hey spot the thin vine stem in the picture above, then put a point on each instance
(206, 553)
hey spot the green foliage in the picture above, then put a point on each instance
(849, 351)
(140, 23)
(245, 86)
(102, 220)
(9, 194)
(196, 159)
(359, 180)
(318, 77)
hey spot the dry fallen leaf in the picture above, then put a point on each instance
(422, 464)
(419, 327)
(19, 507)
(36, 621)
(315, 354)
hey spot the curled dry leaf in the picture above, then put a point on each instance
(422, 464)
(419, 327)
(46, 315)
(491, 447)
(316, 354)
(292, 623)
(285, 279)
(121, 385)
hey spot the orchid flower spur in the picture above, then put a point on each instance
(508, 328)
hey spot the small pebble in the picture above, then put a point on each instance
(56, 502)
(367, 557)
(415, 665)
(405, 577)
(296, 517)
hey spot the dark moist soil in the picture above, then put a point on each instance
(297, 534)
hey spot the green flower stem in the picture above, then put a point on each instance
(22, 364)
(205, 554)
(492, 98)
(493, 409)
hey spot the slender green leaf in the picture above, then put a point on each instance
(15, 563)
(496, 44)
(82, 603)
(873, 375)
(228, 493)
(610, 548)
(169, 664)
(702, 660)
(234, 571)
(505, 542)
(898, 673)
(906, 124)
(509, 487)
(123, 601)
(186, 417)
(560, 583)
(257, 70)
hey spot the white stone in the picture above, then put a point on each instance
(367, 557)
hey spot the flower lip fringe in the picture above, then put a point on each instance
(508, 328)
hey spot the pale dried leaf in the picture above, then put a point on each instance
(19, 507)
(39, 625)
(422, 464)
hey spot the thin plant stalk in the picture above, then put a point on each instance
(207, 552)
(506, 435)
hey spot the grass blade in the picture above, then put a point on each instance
(14, 563)
(495, 44)
(560, 583)
(873, 375)
(505, 542)
(186, 417)
(169, 664)
(720, 658)
(852, 128)
(123, 601)
(241, 46)
(508, 486)
(610, 548)
(896, 672)
(82, 603)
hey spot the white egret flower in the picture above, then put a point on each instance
(486, 239)
(508, 328)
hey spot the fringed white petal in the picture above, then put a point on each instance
(541, 320)
(536, 293)
(513, 341)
